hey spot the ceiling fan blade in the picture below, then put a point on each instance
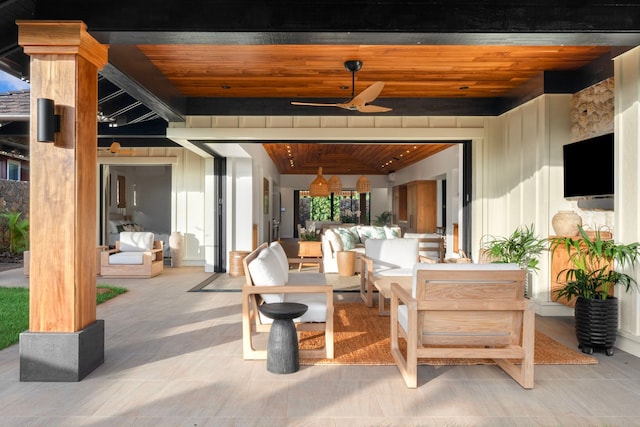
(372, 109)
(313, 104)
(368, 95)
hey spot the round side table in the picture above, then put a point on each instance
(282, 349)
(346, 263)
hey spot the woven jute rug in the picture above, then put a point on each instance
(361, 337)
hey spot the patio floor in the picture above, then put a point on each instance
(174, 358)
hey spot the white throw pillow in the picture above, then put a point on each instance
(266, 270)
(278, 250)
(136, 241)
(392, 253)
(334, 239)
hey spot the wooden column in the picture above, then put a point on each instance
(65, 61)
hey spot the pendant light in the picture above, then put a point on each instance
(319, 187)
(335, 185)
(363, 185)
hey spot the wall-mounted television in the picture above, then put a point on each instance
(588, 168)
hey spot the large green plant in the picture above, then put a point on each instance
(522, 247)
(592, 260)
(18, 232)
(383, 219)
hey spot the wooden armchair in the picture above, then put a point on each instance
(464, 311)
(136, 255)
(268, 280)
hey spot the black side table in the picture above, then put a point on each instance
(282, 350)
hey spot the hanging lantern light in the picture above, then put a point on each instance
(319, 187)
(335, 185)
(363, 185)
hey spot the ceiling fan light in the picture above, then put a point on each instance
(363, 185)
(319, 187)
(335, 185)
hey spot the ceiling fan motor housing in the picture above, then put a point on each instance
(353, 65)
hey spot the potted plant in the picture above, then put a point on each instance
(522, 247)
(591, 278)
(383, 219)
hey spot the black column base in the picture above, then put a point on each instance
(61, 356)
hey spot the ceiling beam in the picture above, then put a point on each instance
(352, 16)
(128, 67)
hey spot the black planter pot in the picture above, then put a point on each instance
(596, 324)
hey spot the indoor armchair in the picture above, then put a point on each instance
(136, 255)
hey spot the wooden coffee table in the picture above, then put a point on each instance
(383, 285)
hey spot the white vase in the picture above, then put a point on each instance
(176, 248)
(566, 223)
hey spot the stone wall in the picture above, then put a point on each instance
(592, 111)
(14, 197)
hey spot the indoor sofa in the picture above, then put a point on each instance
(343, 238)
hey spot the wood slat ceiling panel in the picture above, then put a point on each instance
(348, 158)
(317, 71)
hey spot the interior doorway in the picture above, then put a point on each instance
(135, 198)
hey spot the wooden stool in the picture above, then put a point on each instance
(346, 263)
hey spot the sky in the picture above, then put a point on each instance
(9, 83)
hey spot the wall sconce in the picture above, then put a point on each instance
(48, 120)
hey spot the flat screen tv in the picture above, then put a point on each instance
(588, 168)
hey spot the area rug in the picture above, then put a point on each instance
(361, 337)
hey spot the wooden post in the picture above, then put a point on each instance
(65, 61)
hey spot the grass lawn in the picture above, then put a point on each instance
(14, 310)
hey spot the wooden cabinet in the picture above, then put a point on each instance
(422, 206)
(399, 207)
(560, 262)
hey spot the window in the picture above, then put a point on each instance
(346, 207)
(13, 170)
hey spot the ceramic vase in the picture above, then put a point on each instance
(566, 223)
(176, 248)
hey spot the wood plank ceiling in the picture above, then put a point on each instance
(317, 71)
(348, 159)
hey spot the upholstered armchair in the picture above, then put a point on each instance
(136, 255)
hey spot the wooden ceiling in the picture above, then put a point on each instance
(348, 159)
(317, 71)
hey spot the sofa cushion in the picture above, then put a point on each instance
(316, 306)
(132, 241)
(392, 253)
(266, 270)
(306, 278)
(127, 258)
(278, 250)
(335, 240)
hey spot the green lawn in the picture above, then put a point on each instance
(14, 310)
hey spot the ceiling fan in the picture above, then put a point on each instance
(116, 148)
(357, 103)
